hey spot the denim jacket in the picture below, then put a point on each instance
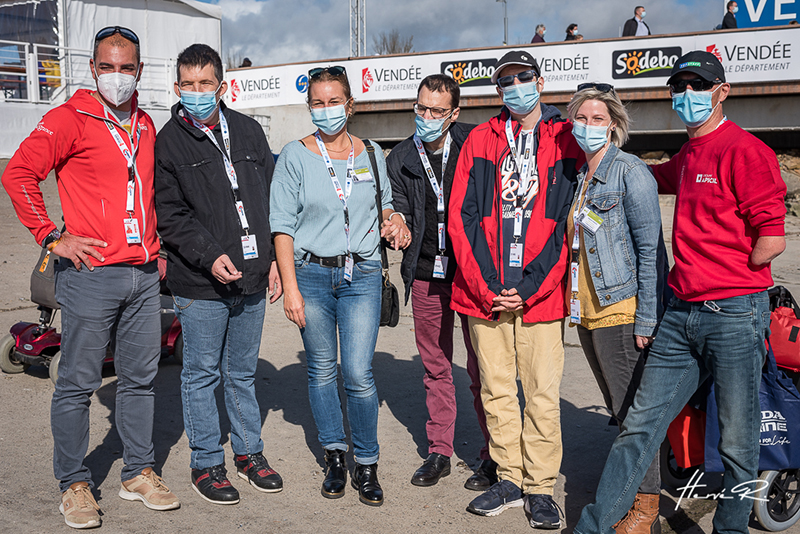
(626, 255)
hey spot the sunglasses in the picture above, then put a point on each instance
(111, 30)
(523, 77)
(602, 87)
(697, 84)
(336, 70)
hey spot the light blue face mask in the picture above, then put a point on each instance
(200, 105)
(693, 107)
(521, 98)
(590, 138)
(735, 10)
(429, 130)
(643, 14)
(330, 120)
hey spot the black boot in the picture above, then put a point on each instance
(336, 475)
(435, 467)
(365, 480)
(484, 477)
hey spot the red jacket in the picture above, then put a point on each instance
(92, 175)
(475, 213)
(729, 192)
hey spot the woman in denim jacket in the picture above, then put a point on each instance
(614, 289)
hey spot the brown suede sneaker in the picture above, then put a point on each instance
(79, 507)
(151, 490)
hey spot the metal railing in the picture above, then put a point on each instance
(48, 74)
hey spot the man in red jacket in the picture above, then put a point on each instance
(509, 203)
(101, 145)
(728, 227)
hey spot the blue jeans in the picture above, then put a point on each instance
(354, 308)
(725, 339)
(221, 338)
(120, 300)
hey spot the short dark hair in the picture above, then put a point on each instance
(441, 83)
(637, 8)
(730, 4)
(200, 55)
(118, 41)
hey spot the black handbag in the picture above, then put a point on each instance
(390, 299)
(43, 281)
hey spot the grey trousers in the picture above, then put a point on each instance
(115, 300)
(617, 365)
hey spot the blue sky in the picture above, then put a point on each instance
(284, 31)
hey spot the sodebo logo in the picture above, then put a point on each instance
(470, 73)
(644, 63)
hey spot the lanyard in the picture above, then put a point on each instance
(226, 158)
(130, 157)
(526, 173)
(583, 186)
(343, 195)
(437, 190)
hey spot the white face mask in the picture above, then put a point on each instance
(116, 87)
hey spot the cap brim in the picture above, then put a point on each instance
(496, 73)
(703, 73)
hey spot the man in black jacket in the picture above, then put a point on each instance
(729, 20)
(421, 170)
(213, 171)
(636, 26)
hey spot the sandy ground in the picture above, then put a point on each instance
(29, 495)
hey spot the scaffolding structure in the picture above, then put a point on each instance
(358, 28)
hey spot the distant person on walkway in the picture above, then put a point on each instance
(324, 216)
(213, 171)
(616, 277)
(538, 36)
(101, 145)
(636, 26)
(728, 227)
(421, 169)
(572, 31)
(729, 21)
(579, 37)
(511, 195)
(246, 63)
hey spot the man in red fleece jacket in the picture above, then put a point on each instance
(728, 227)
(101, 146)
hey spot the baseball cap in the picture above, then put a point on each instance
(515, 57)
(704, 64)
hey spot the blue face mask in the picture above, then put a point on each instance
(643, 14)
(200, 105)
(521, 98)
(693, 107)
(429, 130)
(330, 120)
(590, 138)
(735, 10)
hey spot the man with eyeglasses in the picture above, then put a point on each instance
(101, 145)
(511, 196)
(728, 227)
(421, 169)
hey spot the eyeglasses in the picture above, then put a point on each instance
(436, 113)
(523, 77)
(697, 84)
(335, 70)
(111, 30)
(602, 87)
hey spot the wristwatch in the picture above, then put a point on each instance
(51, 237)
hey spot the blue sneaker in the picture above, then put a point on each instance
(543, 512)
(501, 496)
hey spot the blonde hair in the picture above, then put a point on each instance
(616, 110)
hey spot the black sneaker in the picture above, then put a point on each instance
(213, 485)
(501, 496)
(254, 468)
(543, 512)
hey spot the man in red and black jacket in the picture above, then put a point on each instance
(508, 210)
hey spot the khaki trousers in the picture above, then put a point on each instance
(528, 452)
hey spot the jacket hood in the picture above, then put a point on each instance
(552, 122)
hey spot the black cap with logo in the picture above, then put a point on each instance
(515, 57)
(704, 64)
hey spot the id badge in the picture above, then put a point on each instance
(440, 266)
(574, 311)
(590, 220)
(348, 268)
(362, 175)
(515, 255)
(573, 271)
(132, 235)
(249, 247)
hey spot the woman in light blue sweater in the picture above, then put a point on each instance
(324, 217)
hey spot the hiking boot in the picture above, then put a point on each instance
(432, 469)
(79, 507)
(336, 475)
(255, 469)
(213, 485)
(642, 518)
(485, 476)
(365, 480)
(501, 496)
(151, 490)
(543, 512)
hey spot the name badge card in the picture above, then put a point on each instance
(440, 266)
(574, 311)
(132, 235)
(249, 247)
(515, 255)
(590, 220)
(362, 175)
(348, 268)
